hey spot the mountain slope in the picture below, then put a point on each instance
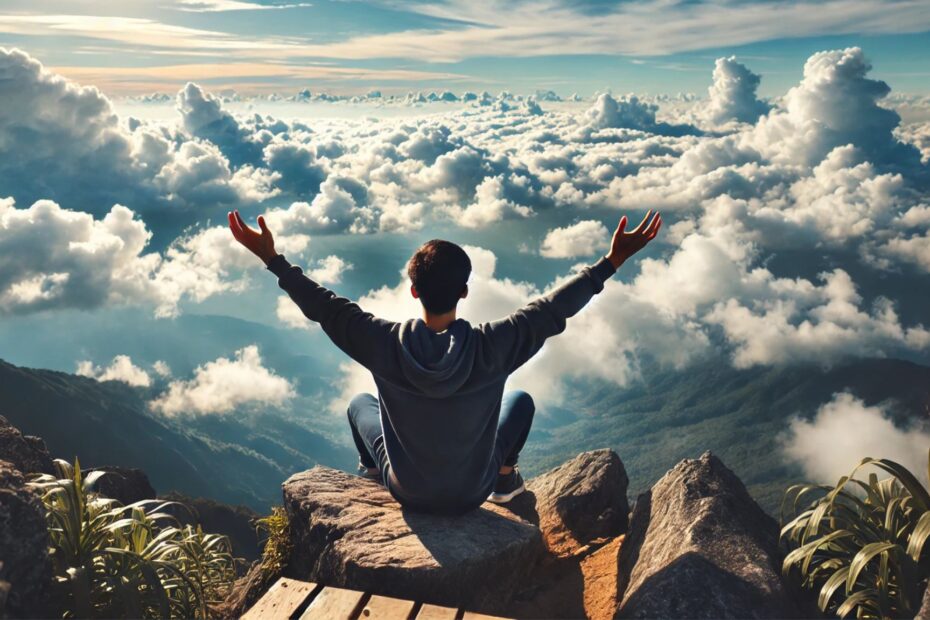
(741, 415)
(233, 460)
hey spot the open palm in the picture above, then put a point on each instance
(626, 244)
(261, 244)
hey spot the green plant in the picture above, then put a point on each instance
(860, 545)
(277, 544)
(130, 561)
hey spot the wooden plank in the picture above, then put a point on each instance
(471, 615)
(435, 612)
(386, 608)
(281, 600)
(334, 604)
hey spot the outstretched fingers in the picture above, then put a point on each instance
(234, 225)
(245, 227)
(621, 226)
(642, 225)
(653, 229)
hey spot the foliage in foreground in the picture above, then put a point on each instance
(277, 544)
(860, 545)
(134, 561)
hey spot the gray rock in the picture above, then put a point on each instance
(25, 568)
(26, 453)
(124, 484)
(581, 501)
(700, 547)
(348, 531)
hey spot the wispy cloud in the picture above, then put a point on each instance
(212, 6)
(639, 28)
(129, 80)
(144, 32)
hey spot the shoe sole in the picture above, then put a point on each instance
(503, 498)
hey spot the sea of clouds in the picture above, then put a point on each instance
(790, 220)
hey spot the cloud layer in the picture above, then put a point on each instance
(224, 385)
(788, 220)
(844, 431)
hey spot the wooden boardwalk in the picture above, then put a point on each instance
(299, 600)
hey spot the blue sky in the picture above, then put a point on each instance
(395, 46)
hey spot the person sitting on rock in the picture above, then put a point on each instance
(441, 435)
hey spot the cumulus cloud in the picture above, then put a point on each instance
(733, 94)
(290, 315)
(824, 176)
(835, 104)
(203, 116)
(120, 369)
(57, 258)
(224, 385)
(71, 147)
(631, 113)
(329, 270)
(581, 239)
(844, 431)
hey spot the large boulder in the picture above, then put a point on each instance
(349, 531)
(126, 485)
(25, 567)
(26, 453)
(582, 501)
(700, 547)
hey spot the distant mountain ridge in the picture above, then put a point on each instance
(739, 414)
(237, 460)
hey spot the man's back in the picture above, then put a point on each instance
(440, 393)
(434, 432)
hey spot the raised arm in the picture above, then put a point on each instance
(516, 338)
(361, 335)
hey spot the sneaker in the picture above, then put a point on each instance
(507, 487)
(364, 472)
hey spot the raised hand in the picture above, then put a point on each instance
(626, 244)
(261, 244)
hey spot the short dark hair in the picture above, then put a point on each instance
(439, 272)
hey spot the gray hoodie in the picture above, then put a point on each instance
(440, 393)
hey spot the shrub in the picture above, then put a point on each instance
(130, 561)
(277, 544)
(860, 545)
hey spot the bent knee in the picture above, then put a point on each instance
(522, 400)
(359, 402)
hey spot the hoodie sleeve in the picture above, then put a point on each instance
(362, 336)
(518, 337)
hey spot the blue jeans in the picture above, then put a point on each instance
(513, 427)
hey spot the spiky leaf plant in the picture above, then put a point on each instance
(860, 546)
(130, 561)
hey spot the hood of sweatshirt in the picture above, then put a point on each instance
(437, 364)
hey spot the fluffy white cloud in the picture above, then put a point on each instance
(120, 369)
(835, 104)
(224, 385)
(821, 323)
(56, 258)
(822, 177)
(631, 113)
(290, 315)
(71, 147)
(733, 94)
(329, 270)
(581, 239)
(844, 431)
